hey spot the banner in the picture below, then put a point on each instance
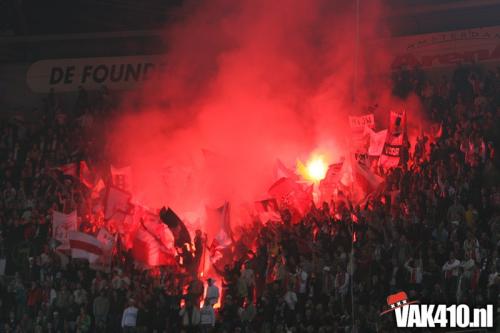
(360, 126)
(377, 141)
(444, 49)
(360, 122)
(397, 123)
(116, 73)
(62, 224)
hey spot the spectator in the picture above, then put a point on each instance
(83, 322)
(129, 318)
(101, 311)
(190, 315)
(212, 295)
(207, 317)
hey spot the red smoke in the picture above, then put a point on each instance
(246, 82)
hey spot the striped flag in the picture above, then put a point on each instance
(85, 246)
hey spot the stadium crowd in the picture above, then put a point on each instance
(433, 232)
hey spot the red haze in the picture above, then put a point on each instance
(248, 81)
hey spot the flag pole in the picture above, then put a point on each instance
(355, 83)
(204, 255)
(356, 56)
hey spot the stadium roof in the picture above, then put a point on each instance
(52, 17)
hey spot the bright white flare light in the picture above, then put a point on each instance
(316, 169)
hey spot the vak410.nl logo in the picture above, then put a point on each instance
(411, 314)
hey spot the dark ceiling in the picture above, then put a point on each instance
(35, 17)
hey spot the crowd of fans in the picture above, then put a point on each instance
(433, 231)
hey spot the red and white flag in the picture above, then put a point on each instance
(154, 225)
(85, 246)
(148, 250)
(368, 180)
(107, 241)
(397, 122)
(218, 222)
(392, 152)
(377, 141)
(292, 194)
(360, 127)
(331, 181)
(62, 224)
(117, 204)
(358, 123)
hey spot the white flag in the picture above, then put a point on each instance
(62, 224)
(122, 178)
(377, 141)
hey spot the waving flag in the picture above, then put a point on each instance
(331, 181)
(392, 152)
(397, 123)
(219, 225)
(122, 178)
(176, 226)
(220, 236)
(148, 250)
(62, 224)
(292, 194)
(283, 188)
(364, 176)
(281, 171)
(116, 204)
(360, 127)
(107, 241)
(86, 176)
(377, 141)
(267, 210)
(395, 136)
(85, 246)
(154, 225)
